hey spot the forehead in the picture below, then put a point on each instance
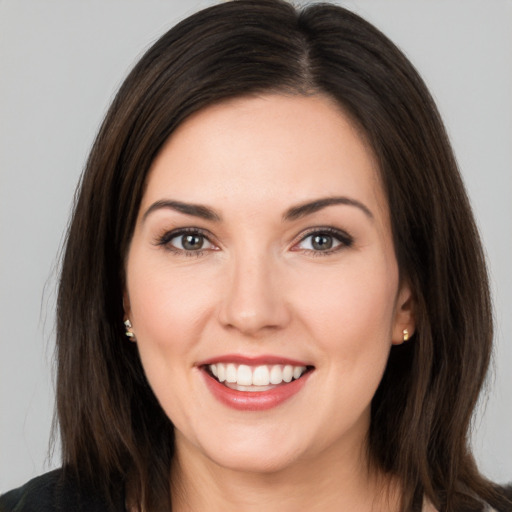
(273, 148)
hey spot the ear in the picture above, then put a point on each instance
(126, 318)
(126, 305)
(404, 315)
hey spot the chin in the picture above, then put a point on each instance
(251, 453)
(255, 461)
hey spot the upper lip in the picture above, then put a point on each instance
(252, 360)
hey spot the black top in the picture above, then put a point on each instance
(56, 492)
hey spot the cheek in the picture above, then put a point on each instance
(167, 311)
(350, 319)
(167, 307)
(351, 310)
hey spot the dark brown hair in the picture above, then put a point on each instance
(111, 424)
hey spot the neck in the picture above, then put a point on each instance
(325, 484)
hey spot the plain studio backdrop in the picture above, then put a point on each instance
(61, 62)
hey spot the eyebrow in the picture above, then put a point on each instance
(311, 207)
(294, 213)
(196, 210)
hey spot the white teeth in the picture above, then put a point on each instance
(241, 376)
(244, 375)
(221, 372)
(231, 373)
(249, 388)
(276, 375)
(261, 376)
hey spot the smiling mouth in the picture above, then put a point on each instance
(242, 377)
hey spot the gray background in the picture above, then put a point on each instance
(60, 63)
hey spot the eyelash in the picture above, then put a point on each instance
(344, 239)
(165, 239)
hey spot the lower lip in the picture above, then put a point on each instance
(254, 400)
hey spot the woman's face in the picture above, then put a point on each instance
(262, 257)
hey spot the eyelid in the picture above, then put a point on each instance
(345, 240)
(166, 236)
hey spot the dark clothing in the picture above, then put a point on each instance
(56, 492)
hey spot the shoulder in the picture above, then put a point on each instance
(40, 491)
(54, 492)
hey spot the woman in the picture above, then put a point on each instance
(272, 278)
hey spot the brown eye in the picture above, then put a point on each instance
(192, 242)
(321, 242)
(186, 241)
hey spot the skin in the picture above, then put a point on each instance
(259, 287)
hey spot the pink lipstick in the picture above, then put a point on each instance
(254, 383)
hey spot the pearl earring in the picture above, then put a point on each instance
(128, 326)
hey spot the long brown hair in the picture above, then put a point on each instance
(111, 424)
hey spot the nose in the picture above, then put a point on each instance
(253, 300)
